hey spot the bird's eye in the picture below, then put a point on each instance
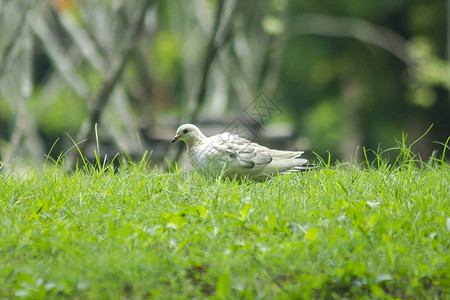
(185, 131)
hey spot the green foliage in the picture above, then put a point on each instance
(373, 231)
(165, 56)
(324, 124)
(65, 114)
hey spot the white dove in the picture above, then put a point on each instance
(236, 156)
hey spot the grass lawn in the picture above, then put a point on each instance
(342, 231)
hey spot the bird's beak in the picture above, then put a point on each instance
(175, 138)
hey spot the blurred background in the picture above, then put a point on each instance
(324, 76)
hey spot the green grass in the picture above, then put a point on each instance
(347, 231)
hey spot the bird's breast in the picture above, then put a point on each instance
(205, 159)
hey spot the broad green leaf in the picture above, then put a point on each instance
(202, 211)
(230, 216)
(245, 211)
(271, 220)
(373, 220)
(223, 285)
(377, 291)
(182, 243)
(311, 235)
(175, 221)
(254, 228)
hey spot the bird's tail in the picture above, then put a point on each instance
(287, 166)
(300, 168)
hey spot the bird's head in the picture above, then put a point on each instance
(188, 133)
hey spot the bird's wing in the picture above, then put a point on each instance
(237, 156)
(241, 156)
